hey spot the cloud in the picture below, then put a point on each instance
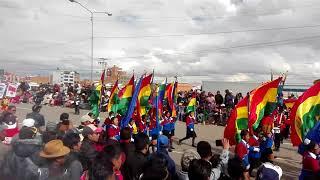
(173, 37)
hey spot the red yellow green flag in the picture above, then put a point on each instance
(237, 121)
(263, 101)
(305, 114)
(114, 99)
(143, 96)
(192, 104)
(125, 96)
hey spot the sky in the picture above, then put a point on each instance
(218, 40)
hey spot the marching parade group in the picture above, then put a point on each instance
(135, 139)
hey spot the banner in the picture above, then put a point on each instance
(12, 90)
(2, 89)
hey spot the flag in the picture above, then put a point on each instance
(102, 76)
(144, 95)
(125, 96)
(305, 114)
(171, 93)
(262, 102)
(160, 95)
(237, 121)
(132, 105)
(192, 104)
(114, 99)
(289, 102)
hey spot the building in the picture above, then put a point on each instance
(39, 79)
(114, 73)
(64, 77)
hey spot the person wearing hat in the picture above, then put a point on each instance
(88, 150)
(38, 118)
(55, 153)
(268, 171)
(24, 154)
(186, 158)
(163, 145)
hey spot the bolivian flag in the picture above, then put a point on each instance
(114, 99)
(125, 96)
(192, 104)
(305, 114)
(143, 96)
(263, 101)
(237, 121)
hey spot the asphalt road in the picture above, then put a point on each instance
(288, 158)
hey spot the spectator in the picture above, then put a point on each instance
(17, 165)
(218, 98)
(108, 163)
(199, 169)
(50, 133)
(156, 169)
(39, 118)
(72, 141)
(64, 125)
(186, 158)
(55, 153)
(163, 145)
(87, 150)
(136, 160)
(310, 163)
(269, 171)
(12, 109)
(229, 99)
(125, 141)
(217, 162)
(236, 170)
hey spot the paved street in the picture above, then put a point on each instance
(288, 158)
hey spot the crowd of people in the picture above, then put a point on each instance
(105, 150)
(46, 150)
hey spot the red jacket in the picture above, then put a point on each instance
(190, 120)
(241, 149)
(113, 131)
(310, 162)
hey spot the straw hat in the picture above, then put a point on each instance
(54, 149)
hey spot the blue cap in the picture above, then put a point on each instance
(163, 141)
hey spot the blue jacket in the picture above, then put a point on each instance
(170, 163)
(265, 144)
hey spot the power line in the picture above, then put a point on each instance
(212, 33)
(250, 45)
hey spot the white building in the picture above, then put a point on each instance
(65, 77)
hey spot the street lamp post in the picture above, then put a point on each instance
(91, 19)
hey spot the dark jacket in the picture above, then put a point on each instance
(22, 162)
(74, 166)
(38, 118)
(219, 99)
(88, 153)
(132, 168)
(127, 148)
(170, 163)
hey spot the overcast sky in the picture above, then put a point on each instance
(233, 40)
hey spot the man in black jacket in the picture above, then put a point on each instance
(38, 118)
(133, 166)
(18, 163)
(218, 98)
